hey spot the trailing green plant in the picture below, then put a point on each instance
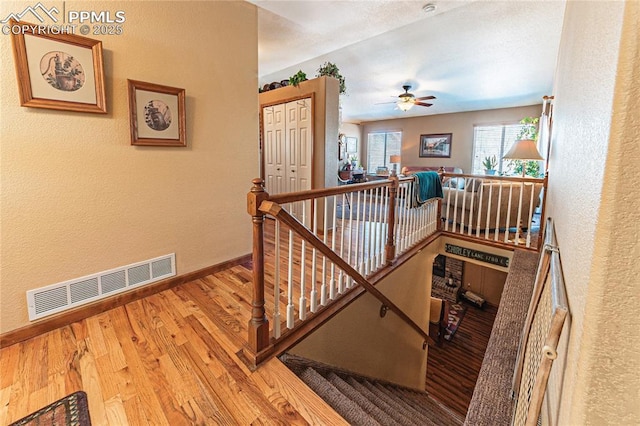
(332, 70)
(297, 78)
(529, 129)
(490, 163)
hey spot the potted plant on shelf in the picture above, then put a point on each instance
(297, 78)
(490, 164)
(332, 70)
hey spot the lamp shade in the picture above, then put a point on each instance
(524, 149)
(405, 104)
(394, 159)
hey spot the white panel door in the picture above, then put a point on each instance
(299, 143)
(274, 149)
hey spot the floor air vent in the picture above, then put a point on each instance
(73, 293)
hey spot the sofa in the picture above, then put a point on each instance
(408, 170)
(477, 194)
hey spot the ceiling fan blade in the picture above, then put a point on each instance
(422, 104)
(382, 103)
(425, 98)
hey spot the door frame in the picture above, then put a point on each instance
(313, 126)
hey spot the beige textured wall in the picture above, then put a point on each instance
(459, 124)
(78, 199)
(594, 194)
(358, 340)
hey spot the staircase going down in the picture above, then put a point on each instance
(362, 401)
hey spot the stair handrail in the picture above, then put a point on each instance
(275, 210)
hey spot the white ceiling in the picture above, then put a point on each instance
(471, 55)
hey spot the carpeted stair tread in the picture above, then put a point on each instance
(401, 403)
(433, 408)
(360, 399)
(344, 406)
(491, 402)
(385, 403)
(392, 411)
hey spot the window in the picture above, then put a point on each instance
(380, 146)
(493, 140)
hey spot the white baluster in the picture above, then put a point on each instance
(385, 229)
(498, 213)
(530, 221)
(332, 283)
(290, 307)
(489, 207)
(464, 201)
(302, 307)
(517, 237)
(323, 287)
(472, 207)
(365, 208)
(314, 290)
(276, 283)
(357, 236)
(480, 191)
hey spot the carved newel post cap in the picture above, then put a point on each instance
(258, 185)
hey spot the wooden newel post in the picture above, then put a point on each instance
(258, 324)
(390, 247)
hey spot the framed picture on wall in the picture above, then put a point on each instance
(58, 71)
(435, 145)
(156, 114)
(352, 145)
(342, 147)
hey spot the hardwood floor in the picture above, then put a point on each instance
(452, 370)
(168, 359)
(171, 359)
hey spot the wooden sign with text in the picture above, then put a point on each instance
(494, 259)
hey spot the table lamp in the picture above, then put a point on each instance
(524, 150)
(395, 159)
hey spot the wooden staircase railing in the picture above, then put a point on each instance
(496, 210)
(357, 232)
(327, 246)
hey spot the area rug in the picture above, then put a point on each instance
(72, 410)
(454, 316)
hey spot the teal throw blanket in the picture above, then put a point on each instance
(427, 186)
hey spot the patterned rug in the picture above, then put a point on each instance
(454, 316)
(72, 410)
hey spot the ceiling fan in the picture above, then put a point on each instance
(407, 100)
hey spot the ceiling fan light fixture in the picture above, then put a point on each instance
(405, 104)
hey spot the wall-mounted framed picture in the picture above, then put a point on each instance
(58, 71)
(352, 145)
(156, 114)
(341, 146)
(435, 145)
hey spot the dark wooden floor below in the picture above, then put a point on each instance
(452, 370)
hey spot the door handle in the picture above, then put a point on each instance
(293, 171)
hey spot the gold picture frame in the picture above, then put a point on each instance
(59, 71)
(156, 114)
